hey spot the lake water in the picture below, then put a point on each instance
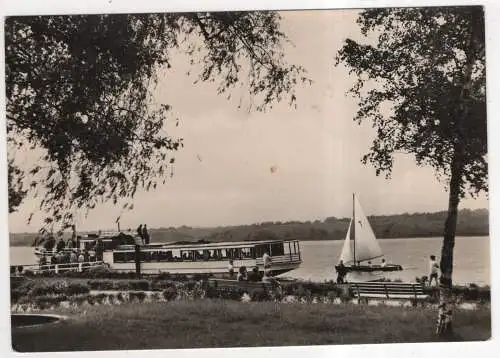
(471, 258)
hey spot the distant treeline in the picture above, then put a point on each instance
(470, 223)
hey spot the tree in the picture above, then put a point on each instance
(422, 85)
(79, 90)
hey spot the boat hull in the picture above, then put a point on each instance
(367, 273)
(217, 268)
(361, 268)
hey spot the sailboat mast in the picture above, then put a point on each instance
(354, 228)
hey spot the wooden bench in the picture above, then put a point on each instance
(389, 290)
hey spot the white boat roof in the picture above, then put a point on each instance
(205, 246)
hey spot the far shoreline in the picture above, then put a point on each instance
(458, 236)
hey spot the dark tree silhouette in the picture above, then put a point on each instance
(79, 91)
(422, 85)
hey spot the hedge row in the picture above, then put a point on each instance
(106, 273)
(31, 289)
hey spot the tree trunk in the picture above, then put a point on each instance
(445, 310)
(138, 260)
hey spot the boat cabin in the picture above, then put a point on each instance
(208, 257)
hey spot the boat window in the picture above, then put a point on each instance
(164, 255)
(246, 253)
(277, 249)
(261, 249)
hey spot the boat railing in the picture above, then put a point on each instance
(58, 268)
(286, 258)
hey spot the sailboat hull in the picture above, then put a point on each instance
(362, 268)
(364, 276)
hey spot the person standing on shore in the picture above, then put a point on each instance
(230, 268)
(267, 263)
(341, 272)
(433, 270)
(60, 244)
(139, 233)
(145, 235)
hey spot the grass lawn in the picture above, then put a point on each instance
(214, 323)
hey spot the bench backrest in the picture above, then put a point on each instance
(393, 288)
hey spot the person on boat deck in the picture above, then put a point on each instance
(230, 268)
(99, 249)
(145, 234)
(60, 245)
(43, 260)
(370, 264)
(242, 274)
(74, 237)
(433, 269)
(73, 258)
(139, 232)
(69, 244)
(81, 257)
(267, 262)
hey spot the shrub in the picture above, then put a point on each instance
(48, 288)
(142, 285)
(76, 288)
(259, 295)
(140, 296)
(43, 302)
(190, 285)
(332, 295)
(99, 298)
(163, 276)
(101, 284)
(212, 292)
(28, 273)
(111, 298)
(159, 285)
(78, 300)
(16, 294)
(170, 293)
(202, 276)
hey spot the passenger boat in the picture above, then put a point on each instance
(362, 258)
(203, 257)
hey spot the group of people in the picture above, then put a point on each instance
(254, 275)
(142, 232)
(68, 251)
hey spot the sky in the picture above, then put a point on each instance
(241, 167)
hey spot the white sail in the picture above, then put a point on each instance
(346, 255)
(366, 245)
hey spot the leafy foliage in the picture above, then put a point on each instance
(411, 88)
(79, 90)
(16, 190)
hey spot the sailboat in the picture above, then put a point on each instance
(361, 247)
